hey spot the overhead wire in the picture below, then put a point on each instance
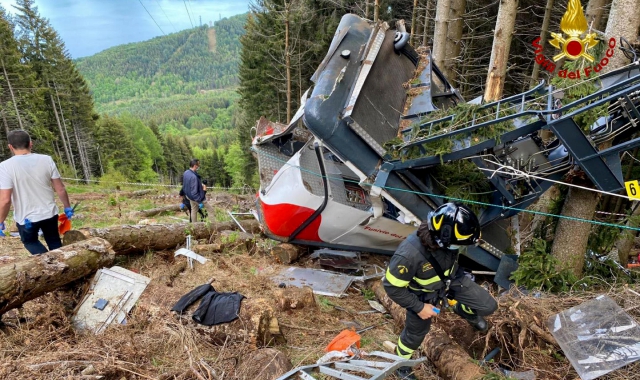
(165, 15)
(185, 7)
(469, 201)
(154, 20)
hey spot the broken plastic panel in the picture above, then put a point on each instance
(116, 290)
(597, 337)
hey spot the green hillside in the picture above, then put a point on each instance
(188, 62)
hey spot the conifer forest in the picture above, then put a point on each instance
(123, 124)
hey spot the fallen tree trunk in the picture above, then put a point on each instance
(256, 325)
(139, 193)
(139, 238)
(155, 211)
(207, 249)
(23, 279)
(449, 358)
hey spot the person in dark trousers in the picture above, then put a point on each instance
(193, 188)
(414, 277)
(28, 181)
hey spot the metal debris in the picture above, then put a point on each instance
(116, 290)
(323, 282)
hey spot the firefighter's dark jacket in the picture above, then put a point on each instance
(410, 276)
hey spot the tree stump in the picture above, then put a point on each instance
(295, 298)
(23, 279)
(285, 253)
(451, 360)
(237, 238)
(256, 325)
(263, 364)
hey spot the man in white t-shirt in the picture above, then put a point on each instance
(28, 181)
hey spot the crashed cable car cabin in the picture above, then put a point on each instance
(337, 183)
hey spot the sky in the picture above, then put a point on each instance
(90, 26)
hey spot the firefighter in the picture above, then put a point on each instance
(412, 280)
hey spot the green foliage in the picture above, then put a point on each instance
(576, 89)
(187, 62)
(368, 294)
(234, 163)
(50, 98)
(463, 180)
(537, 270)
(463, 114)
(325, 304)
(111, 179)
(603, 239)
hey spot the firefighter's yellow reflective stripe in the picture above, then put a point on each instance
(458, 235)
(395, 281)
(437, 224)
(431, 280)
(421, 289)
(403, 350)
(466, 309)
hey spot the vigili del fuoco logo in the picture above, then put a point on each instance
(573, 25)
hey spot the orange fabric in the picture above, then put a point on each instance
(65, 224)
(343, 341)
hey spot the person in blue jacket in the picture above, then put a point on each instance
(193, 188)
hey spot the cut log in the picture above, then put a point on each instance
(295, 298)
(286, 253)
(448, 357)
(23, 279)
(139, 238)
(155, 211)
(173, 272)
(263, 364)
(256, 325)
(72, 236)
(139, 193)
(207, 249)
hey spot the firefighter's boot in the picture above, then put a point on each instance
(405, 373)
(476, 321)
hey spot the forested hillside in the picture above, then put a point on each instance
(158, 103)
(188, 62)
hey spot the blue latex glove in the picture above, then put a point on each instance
(201, 206)
(436, 310)
(68, 211)
(3, 230)
(181, 206)
(27, 224)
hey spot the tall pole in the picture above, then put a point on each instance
(15, 105)
(100, 160)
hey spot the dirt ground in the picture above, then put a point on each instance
(38, 341)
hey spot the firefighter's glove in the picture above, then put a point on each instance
(68, 211)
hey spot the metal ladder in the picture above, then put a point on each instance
(377, 369)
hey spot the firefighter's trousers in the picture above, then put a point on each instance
(473, 299)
